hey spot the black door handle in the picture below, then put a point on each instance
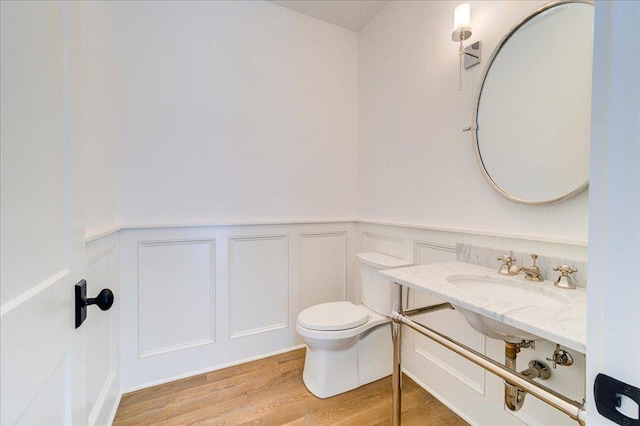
(104, 301)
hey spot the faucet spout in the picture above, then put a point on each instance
(531, 273)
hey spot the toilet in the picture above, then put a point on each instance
(350, 345)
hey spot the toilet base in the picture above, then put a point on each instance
(331, 372)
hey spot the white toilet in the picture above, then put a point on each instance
(350, 345)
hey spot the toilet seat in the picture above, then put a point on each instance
(333, 316)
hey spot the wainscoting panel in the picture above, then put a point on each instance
(180, 284)
(176, 286)
(449, 322)
(429, 252)
(264, 277)
(323, 268)
(258, 284)
(100, 330)
(390, 245)
(452, 324)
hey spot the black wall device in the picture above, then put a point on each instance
(609, 394)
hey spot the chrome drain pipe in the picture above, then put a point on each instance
(572, 408)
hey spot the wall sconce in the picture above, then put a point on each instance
(461, 32)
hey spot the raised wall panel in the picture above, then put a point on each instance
(425, 253)
(258, 284)
(448, 322)
(323, 268)
(390, 245)
(176, 295)
(429, 252)
(101, 274)
(452, 324)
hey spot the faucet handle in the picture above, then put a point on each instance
(506, 259)
(564, 280)
(565, 269)
(506, 263)
(534, 257)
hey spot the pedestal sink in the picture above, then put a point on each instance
(509, 292)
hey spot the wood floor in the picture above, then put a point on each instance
(270, 392)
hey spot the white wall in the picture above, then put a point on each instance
(415, 165)
(234, 112)
(99, 117)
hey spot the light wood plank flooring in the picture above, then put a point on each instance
(270, 392)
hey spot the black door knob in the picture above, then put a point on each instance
(104, 299)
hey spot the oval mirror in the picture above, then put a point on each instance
(532, 118)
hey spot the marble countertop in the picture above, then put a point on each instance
(564, 323)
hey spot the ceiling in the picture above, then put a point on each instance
(349, 14)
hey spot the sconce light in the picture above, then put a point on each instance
(461, 32)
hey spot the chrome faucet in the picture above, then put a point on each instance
(531, 273)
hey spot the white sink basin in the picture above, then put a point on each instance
(507, 291)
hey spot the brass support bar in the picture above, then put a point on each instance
(573, 409)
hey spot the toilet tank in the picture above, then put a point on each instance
(377, 290)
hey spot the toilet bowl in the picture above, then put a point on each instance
(350, 345)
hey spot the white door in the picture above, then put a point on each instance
(613, 345)
(42, 236)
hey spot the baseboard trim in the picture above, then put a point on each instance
(114, 410)
(209, 370)
(102, 398)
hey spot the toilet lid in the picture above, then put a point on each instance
(333, 316)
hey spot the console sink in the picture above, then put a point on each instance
(503, 307)
(509, 291)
